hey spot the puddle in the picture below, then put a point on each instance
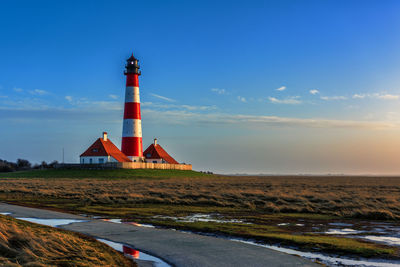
(345, 231)
(132, 223)
(134, 254)
(5, 213)
(200, 218)
(328, 260)
(51, 222)
(340, 224)
(282, 224)
(388, 240)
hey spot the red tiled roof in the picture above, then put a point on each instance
(157, 152)
(102, 148)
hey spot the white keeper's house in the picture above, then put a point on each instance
(104, 151)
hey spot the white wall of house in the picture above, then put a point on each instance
(96, 160)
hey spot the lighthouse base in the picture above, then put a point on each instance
(137, 159)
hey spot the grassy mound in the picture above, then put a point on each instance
(27, 244)
(103, 174)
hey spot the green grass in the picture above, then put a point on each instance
(104, 174)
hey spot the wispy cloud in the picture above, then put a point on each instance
(282, 88)
(242, 99)
(383, 96)
(290, 100)
(185, 117)
(68, 98)
(329, 98)
(113, 96)
(38, 92)
(177, 107)
(359, 96)
(219, 91)
(314, 91)
(388, 97)
(19, 90)
(163, 98)
(3, 96)
(111, 111)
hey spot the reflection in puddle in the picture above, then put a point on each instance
(51, 222)
(134, 254)
(131, 223)
(328, 260)
(200, 218)
(389, 240)
(282, 224)
(345, 231)
(340, 224)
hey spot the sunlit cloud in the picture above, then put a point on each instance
(389, 97)
(163, 98)
(219, 91)
(328, 98)
(282, 88)
(359, 96)
(377, 96)
(185, 117)
(290, 100)
(314, 92)
(113, 96)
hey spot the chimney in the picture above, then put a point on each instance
(155, 141)
(105, 136)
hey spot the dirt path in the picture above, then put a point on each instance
(176, 248)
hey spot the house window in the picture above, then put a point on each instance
(101, 160)
(148, 155)
(95, 150)
(154, 161)
(83, 161)
(90, 161)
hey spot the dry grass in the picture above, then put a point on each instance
(264, 201)
(357, 197)
(26, 244)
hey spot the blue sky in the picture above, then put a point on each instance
(229, 86)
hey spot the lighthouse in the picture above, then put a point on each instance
(132, 145)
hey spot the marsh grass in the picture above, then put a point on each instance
(263, 201)
(27, 244)
(355, 197)
(103, 174)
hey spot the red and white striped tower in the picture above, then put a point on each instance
(132, 145)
